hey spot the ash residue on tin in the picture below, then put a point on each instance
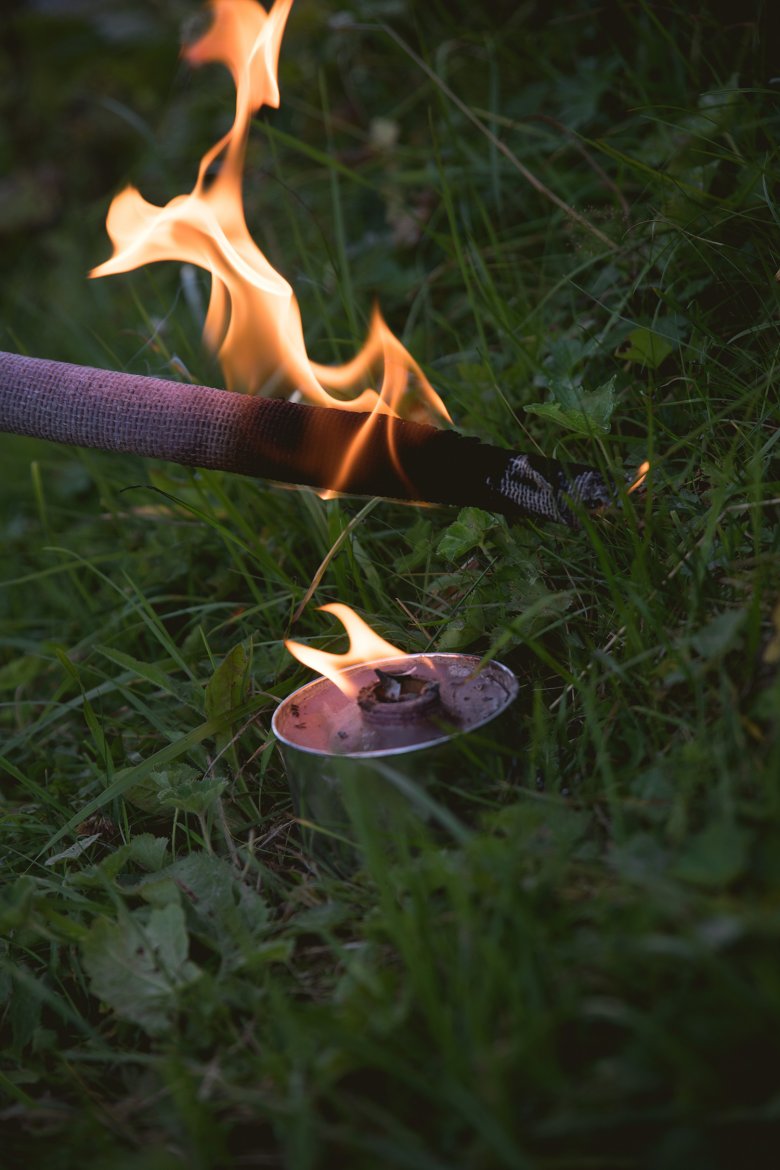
(400, 698)
(395, 705)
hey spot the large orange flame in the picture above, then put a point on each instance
(364, 646)
(253, 322)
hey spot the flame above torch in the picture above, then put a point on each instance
(376, 443)
(253, 322)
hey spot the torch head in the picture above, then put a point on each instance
(528, 485)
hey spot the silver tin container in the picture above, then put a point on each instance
(410, 734)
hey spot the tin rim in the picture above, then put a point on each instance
(513, 686)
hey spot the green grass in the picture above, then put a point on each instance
(572, 962)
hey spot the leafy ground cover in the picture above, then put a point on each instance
(570, 963)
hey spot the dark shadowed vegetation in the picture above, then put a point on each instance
(578, 971)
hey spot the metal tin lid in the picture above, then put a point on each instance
(320, 719)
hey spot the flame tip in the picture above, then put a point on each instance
(640, 476)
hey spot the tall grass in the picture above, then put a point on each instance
(574, 965)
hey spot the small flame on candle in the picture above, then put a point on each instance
(364, 646)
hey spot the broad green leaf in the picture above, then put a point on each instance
(186, 790)
(227, 688)
(16, 904)
(139, 965)
(578, 410)
(222, 910)
(277, 950)
(20, 670)
(645, 347)
(541, 611)
(128, 777)
(719, 635)
(461, 631)
(466, 533)
(714, 857)
(716, 112)
(541, 828)
(145, 851)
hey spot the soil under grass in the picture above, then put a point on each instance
(572, 962)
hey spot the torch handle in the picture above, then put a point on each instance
(200, 426)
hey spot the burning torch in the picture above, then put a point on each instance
(373, 426)
(289, 442)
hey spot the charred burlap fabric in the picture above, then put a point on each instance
(199, 426)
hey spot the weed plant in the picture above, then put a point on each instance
(572, 962)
